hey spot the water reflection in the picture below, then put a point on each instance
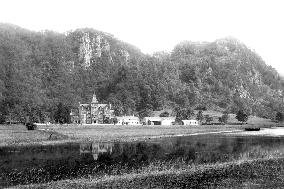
(34, 164)
(96, 148)
(197, 149)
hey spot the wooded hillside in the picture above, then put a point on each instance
(42, 72)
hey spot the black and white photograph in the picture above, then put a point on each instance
(141, 94)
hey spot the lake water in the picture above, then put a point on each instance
(35, 164)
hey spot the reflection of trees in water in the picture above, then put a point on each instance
(120, 157)
(135, 153)
(201, 149)
(213, 148)
(64, 161)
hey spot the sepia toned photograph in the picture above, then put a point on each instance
(141, 94)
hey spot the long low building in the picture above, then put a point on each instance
(190, 122)
(128, 120)
(159, 120)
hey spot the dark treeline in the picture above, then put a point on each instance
(43, 73)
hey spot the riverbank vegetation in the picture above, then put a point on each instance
(265, 173)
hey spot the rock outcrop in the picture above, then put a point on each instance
(93, 45)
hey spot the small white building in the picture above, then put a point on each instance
(168, 120)
(152, 120)
(159, 120)
(128, 120)
(190, 122)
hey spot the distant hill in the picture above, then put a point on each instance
(233, 76)
(40, 70)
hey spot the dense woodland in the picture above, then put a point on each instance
(44, 74)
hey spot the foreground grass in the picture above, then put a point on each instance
(264, 173)
(18, 135)
(129, 133)
(258, 169)
(52, 134)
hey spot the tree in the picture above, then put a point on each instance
(114, 120)
(165, 114)
(279, 117)
(199, 116)
(183, 114)
(62, 114)
(242, 116)
(189, 113)
(106, 120)
(2, 118)
(224, 118)
(208, 119)
(144, 113)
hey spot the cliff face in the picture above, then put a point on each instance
(93, 45)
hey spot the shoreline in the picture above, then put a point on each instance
(55, 134)
(134, 139)
(175, 171)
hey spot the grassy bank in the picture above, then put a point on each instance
(264, 173)
(52, 134)
(130, 133)
(19, 135)
(227, 175)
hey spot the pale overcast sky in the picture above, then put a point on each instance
(155, 25)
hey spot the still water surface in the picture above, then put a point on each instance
(36, 164)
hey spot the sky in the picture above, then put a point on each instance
(158, 25)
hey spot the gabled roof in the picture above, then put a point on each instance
(84, 104)
(128, 118)
(159, 118)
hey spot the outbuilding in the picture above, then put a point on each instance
(190, 122)
(168, 120)
(159, 120)
(128, 120)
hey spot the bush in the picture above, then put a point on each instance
(224, 118)
(31, 126)
(114, 120)
(200, 116)
(208, 119)
(200, 107)
(2, 119)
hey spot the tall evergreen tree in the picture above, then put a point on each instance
(242, 116)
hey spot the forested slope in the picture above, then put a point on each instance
(42, 72)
